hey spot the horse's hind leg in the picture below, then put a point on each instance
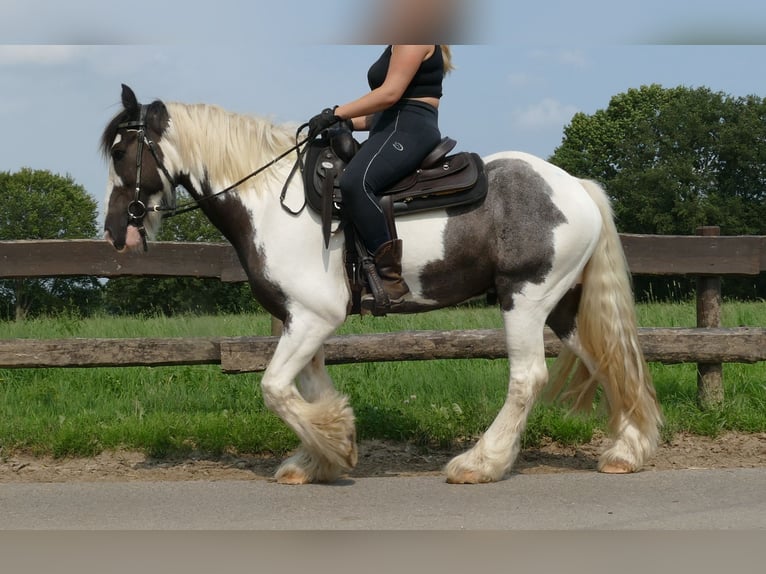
(497, 449)
(633, 413)
(319, 415)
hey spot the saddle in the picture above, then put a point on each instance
(441, 181)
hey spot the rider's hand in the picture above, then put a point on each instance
(320, 122)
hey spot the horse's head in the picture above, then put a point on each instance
(138, 179)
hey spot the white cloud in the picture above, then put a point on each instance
(41, 54)
(544, 114)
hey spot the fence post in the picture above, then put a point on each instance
(276, 327)
(709, 375)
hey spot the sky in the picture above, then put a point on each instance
(523, 68)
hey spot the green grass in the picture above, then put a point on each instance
(168, 411)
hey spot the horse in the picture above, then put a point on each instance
(543, 240)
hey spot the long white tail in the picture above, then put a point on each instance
(608, 336)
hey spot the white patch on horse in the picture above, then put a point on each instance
(422, 237)
(112, 181)
(278, 232)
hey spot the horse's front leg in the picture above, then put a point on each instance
(319, 415)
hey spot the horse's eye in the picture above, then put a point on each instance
(118, 154)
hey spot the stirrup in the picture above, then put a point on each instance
(376, 300)
(367, 305)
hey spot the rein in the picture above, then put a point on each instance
(137, 209)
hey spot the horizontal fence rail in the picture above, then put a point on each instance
(646, 255)
(77, 257)
(252, 354)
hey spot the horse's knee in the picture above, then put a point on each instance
(274, 393)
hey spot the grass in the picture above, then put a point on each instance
(168, 411)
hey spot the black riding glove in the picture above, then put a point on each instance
(320, 122)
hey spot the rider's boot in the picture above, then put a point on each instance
(388, 262)
(385, 279)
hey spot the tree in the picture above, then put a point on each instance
(38, 204)
(169, 296)
(674, 159)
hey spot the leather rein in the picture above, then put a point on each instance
(137, 209)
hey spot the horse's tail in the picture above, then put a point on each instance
(607, 332)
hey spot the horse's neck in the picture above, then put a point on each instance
(256, 204)
(218, 148)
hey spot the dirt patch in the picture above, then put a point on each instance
(380, 458)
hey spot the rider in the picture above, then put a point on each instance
(401, 114)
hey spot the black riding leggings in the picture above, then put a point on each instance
(400, 139)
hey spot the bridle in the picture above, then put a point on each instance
(137, 209)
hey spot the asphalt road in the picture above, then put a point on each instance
(675, 500)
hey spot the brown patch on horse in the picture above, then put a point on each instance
(500, 225)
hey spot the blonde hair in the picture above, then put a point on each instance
(447, 55)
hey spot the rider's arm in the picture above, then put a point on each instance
(405, 61)
(362, 123)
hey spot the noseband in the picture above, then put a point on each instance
(137, 209)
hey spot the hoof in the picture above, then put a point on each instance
(468, 477)
(460, 473)
(466, 469)
(292, 476)
(616, 467)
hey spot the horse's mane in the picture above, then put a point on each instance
(229, 145)
(110, 132)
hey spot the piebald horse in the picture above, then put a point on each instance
(542, 239)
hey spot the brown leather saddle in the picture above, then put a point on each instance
(441, 181)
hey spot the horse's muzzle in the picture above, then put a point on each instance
(132, 241)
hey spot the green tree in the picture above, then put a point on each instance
(672, 160)
(38, 204)
(169, 296)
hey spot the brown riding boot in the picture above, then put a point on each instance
(388, 262)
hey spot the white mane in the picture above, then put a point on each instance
(228, 146)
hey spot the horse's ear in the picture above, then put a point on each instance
(129, 99)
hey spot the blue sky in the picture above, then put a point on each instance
(523, 70)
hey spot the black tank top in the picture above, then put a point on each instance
(427, 81)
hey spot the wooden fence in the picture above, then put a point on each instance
(707, 256)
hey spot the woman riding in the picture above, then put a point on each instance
(401, 114)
